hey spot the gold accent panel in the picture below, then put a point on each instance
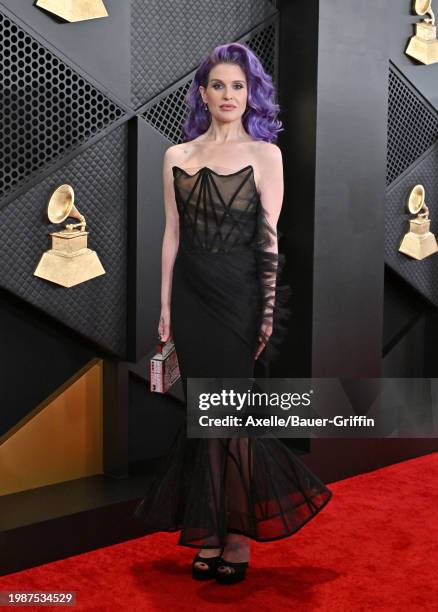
(62, 439)
(74, 10)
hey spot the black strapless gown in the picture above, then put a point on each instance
(225, 285)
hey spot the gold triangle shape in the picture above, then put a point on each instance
(62, 439)
(74, 10)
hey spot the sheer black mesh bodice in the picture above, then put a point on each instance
(222, 214)
(216, 217)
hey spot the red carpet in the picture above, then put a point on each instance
(374, 547)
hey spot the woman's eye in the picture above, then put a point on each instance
(237, 85)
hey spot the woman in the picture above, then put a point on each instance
(224, 307)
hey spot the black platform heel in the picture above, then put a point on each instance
(231, 577)
(205, 574)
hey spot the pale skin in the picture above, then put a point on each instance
(225, 147)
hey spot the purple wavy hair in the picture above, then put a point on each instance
(259, 118)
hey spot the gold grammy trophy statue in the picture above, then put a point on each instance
(69, 261)
(419, 242)
(424, 45)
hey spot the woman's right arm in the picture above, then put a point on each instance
(170, 243)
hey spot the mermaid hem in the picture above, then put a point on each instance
(240, 494)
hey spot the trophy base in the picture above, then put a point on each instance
(79, 10)
(69, 269)
(418, 247)
(425, 51)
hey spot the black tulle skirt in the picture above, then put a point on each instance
(205, 488)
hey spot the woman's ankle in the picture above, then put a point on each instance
(208, 553)
(237, 548)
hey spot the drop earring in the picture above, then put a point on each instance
(205, 106)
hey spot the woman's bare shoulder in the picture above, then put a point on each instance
(173, 152)
(268, 151)
(176, 154)
(269, 158)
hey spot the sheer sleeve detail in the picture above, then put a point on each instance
(276, 292)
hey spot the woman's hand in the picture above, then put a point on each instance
(164, 332)
(265, 334)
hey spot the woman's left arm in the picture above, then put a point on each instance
(271, 184)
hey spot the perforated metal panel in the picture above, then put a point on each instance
(169, 38)
(46, 107)
(412, 133)
(412, 125)
(423, 275)
(167, 112)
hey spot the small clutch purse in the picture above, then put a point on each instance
(164, 368)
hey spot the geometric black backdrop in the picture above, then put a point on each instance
(58, 125)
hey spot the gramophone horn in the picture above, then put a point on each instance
(61, 205)
(421, 7)
(415, 199)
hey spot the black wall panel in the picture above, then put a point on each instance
(406, 359)
(146, 226)
(403, 307)
(349, 171)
